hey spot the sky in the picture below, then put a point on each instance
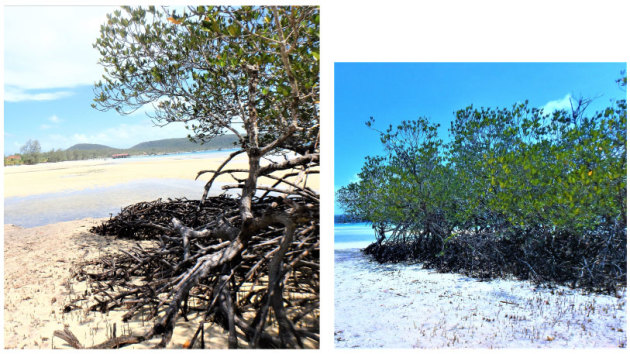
(392, 92)
(50, 68)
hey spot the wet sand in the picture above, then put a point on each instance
(38, 260)
(43, 209)
(45, 178)
(47, 193)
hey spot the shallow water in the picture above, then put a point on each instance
(353, 235)
(43, 209)
(181, 155)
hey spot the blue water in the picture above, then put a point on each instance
(43, 209)
(353, 235)
(188, 155)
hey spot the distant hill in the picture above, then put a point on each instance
(90, 147)
(183, 144)
(156, 147)
(163, 146)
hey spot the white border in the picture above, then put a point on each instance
(429, 31)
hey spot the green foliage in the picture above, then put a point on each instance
(12, 160)
(31, 152)
(214, 67)
(556, 172)
(517, 168)
(517, 173)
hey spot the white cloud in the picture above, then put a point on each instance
(53, 119)
(14, 94)
(50, 47)
(558, 105)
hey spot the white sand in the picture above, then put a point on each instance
(38, 264)
(38, 260)
(405, 306)
(25, 180)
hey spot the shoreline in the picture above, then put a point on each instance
(97, 202)
(420, 308)
(68, 176)
(38, 260)
(47, 193)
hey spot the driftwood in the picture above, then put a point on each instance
(201, 263)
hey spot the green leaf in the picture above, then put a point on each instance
(284, 90)
(206, 26)
(234, 30)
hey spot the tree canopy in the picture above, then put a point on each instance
(217, 68)
(542, 182)
(31, 152)
(254, 72)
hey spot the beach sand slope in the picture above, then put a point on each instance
(38, 264)
(412, 307)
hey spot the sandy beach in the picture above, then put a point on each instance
(412, 307)
(38, 260)
(48, 193)
(38, 264)
(76, 175)
(44, 178)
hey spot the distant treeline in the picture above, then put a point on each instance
(346, 219)
(31, 151)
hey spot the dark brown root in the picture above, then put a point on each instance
(200, 263)
(595, 261)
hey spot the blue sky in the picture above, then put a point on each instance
(392, 92)
(50, 68)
